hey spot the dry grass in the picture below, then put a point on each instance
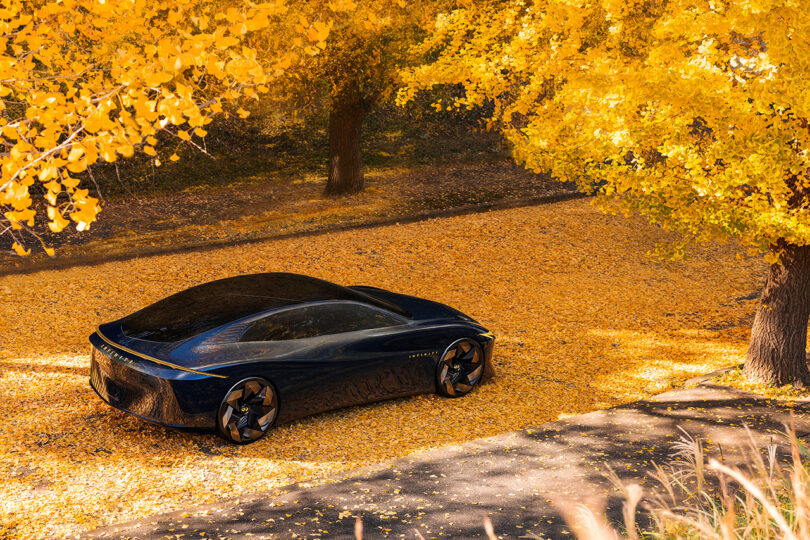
(699, 497)
(584, 321)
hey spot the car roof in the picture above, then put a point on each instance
(209, 305)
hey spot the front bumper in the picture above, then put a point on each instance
(154, 393)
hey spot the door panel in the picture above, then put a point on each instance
(363, 367)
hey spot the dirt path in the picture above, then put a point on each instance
(519, 479)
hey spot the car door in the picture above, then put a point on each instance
(382, 363)
(343, 353)
(363, 355)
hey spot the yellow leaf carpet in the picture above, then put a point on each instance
(583, 319)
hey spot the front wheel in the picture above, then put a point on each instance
(247, 411)
(460, 368)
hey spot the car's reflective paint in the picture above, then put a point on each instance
(130, 353)
(183, 383)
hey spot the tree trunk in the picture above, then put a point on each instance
(777, 352)
(345, 161)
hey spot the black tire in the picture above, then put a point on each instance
(460, 368)
(247, 411)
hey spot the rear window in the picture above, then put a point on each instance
(318, 320)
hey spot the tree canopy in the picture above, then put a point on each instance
(692, 113)
(353, 69)
(89, 80)
(363, 44)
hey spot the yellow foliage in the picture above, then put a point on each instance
(84, 80)
(353, 50)
(690, 113)
(736, 379)
(21, 251)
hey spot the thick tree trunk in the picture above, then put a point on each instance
(345, 161)
(776, 353)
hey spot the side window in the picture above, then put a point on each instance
(290, 324)
(342, 317)
(319, 320)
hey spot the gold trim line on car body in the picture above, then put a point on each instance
(152, 359)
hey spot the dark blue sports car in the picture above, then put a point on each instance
(242, 353)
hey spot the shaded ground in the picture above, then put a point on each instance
(518, 479)
(583, 319)
(258, 207)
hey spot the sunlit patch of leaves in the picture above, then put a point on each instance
(737, 379)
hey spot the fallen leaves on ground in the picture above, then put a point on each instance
(266, 206)
(583, 321)
(736, 379)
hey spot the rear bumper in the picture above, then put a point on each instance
(120, 382)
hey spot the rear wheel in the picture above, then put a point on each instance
(460, 368)
(247, 411)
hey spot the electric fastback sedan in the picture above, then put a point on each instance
(243, 353)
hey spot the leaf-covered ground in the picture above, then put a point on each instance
(584, 321)
(266, 205)
(736, 379)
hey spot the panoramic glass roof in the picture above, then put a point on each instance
(213, 304)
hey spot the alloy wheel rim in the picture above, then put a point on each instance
(460, 368)
(248, 410)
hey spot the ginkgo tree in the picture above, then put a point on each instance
(694, 114)
(352, 67)
(83, 81)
